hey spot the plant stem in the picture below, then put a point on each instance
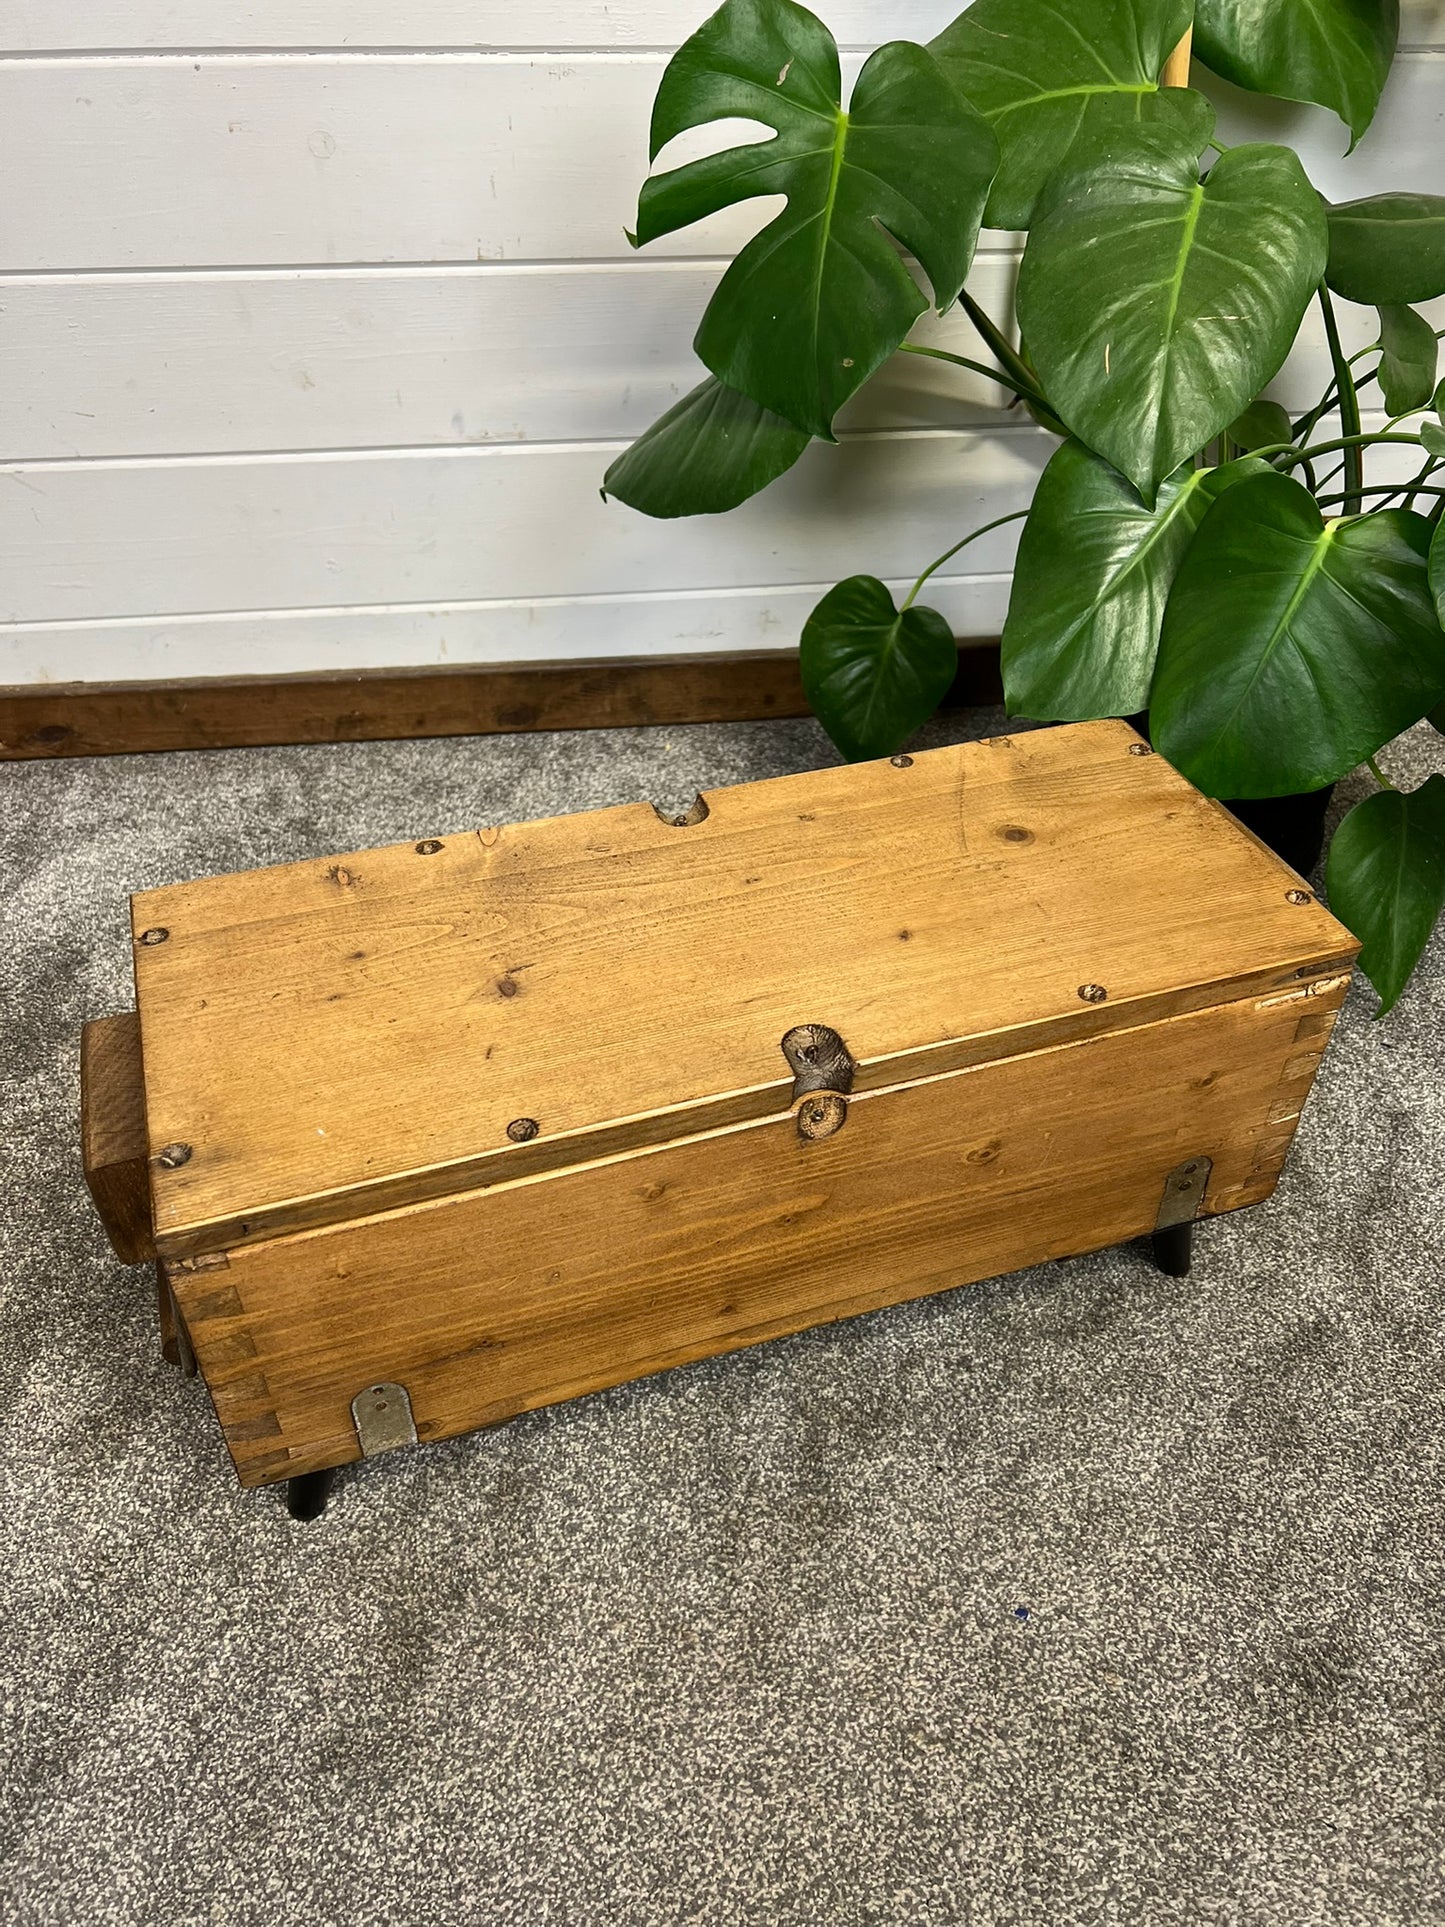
(1419, 484)
(1004, 379)
(1349, 402)
(1383, 488)
(1288, 456)
(972, 536)
(1306, 423)
(1378, 774)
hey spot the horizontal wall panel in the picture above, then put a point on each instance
(279, 160)
(262, 643)
(138, 365)
(80, 541)
(40, 25)
(45, 25)
(191, 364)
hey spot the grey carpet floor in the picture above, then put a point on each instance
(1084, 1596)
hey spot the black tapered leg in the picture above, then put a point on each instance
(306, 1496)
(1173, 1249)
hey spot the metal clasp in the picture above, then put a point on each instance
(823, 1071)
(383, 1420)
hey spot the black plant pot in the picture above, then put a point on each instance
(1292, 826)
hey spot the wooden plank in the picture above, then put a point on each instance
(296, 359)
(40, 26)
(547, 1289)
(113, 1133)
(159, 161)
(545, 632)
(129, 717)
(160, 364)
(355, 1033)
(81, 542)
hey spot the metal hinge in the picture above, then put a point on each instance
(823, 1071)
(383, 1420)
(1184, 1190)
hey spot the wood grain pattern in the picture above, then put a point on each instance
(356, 1033)
(113, 1133)
(86, 721)
(495, 1302)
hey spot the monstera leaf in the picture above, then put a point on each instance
(1335, 53)
(1264, 424)
(871, 672)
(1292, 648)
(1093, 575)
(710, 451)
(1053, 76)
(1155, 306)
(813, 304)
(1386, 879)
(1409, 353)
(1388, 250)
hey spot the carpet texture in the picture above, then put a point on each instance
(1084, 1596)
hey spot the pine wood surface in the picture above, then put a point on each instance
(113, 1133)
(354, 1034)
(501, 1300)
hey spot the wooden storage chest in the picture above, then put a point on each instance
(434, 1134)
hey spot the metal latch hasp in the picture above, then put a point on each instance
(383, 1420)
(1184, 1190)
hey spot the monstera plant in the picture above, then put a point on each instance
(1268, 589)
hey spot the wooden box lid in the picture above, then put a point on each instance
(332, 1038)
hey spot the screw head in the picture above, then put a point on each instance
(429, 848)
(1297, 896)
(1093, 993)
(158, 935)
(822, 1114)
(1140, 749)
(901, 762)
(172, 1156)
(522, 1128)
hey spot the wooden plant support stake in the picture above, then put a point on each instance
(1176, 67)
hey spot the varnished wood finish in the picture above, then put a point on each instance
(355, 1034)
(113, 1133)
(498, 1301)
(86, 719)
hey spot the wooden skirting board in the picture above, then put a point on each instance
(118, 719)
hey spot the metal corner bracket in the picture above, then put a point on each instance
(383, 1420)
(1184, 1190)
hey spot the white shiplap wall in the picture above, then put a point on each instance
(318, 330)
